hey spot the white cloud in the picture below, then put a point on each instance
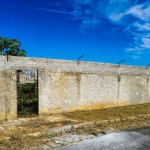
(56, 11)
(146, 43)
(116, 17)
(113, 10)
(142, 27)
(136, 50)
(135, 57)
(136, 11)
(140, 12)
(134, 16)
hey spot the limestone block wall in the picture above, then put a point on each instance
(66, 86)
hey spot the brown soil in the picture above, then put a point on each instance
(17, 130)
(109, 113)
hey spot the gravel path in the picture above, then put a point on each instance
(138, 139)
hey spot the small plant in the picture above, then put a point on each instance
(94, 133)
(46, 136)
(104, 132)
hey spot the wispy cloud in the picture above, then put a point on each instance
(135, 57)
(112, 10)
(140, 11)
(56, 11)
(133, 15)
(142, 27)
(145, 43)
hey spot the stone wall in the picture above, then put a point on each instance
(2, 95)
(66, 86)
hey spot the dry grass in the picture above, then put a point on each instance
(18, 142)
(18, 132)
(109, 113)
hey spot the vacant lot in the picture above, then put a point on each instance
(15, 134)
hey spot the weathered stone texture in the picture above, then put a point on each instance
(57, 95)
(2, 95)
(11, 94)
(98, 90)
(133, 89)
(66, 86)
(8, 95)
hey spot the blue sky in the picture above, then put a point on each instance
(102, 30)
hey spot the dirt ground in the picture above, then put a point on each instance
(14, 135)
(109, 113)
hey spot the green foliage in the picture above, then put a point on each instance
(11, 47)
(27, 99)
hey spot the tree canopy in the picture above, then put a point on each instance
(11, 47)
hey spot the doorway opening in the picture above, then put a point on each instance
(27, 92)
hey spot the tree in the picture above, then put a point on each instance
(11, 47)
